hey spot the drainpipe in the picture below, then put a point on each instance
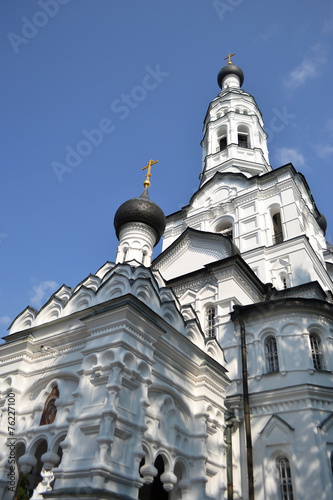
(229, 423)
(246, 403)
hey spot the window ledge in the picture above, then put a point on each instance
(274, 373)
(313, 370)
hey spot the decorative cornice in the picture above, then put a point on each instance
(292, 398)
(297, 404)
(275, 306)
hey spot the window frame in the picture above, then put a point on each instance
(277, 228)
(271, 355)
(285, 483)
(221, 134)
(210, 321)
(243, 136)
(316, 351)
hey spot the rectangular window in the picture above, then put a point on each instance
(316, 352)
(210, 322)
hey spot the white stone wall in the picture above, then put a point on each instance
(249, 209)
(130, 386)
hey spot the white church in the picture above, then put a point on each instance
(202, 374)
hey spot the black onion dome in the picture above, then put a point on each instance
(143, 210)
(230, 69)
(322, 222)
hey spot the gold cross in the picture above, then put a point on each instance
(229, 56)
(148, 174)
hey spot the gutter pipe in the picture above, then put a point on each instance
(246, 403)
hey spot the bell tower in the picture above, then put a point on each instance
(234, 139)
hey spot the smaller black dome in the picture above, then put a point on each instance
(143, 210)
(322, 222)
(230, 69)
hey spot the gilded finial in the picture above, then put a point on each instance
(148, 174)
(229, 56)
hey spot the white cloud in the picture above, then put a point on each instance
(5, 320)
(309, 68)
(324, 150)
(42, 292)
(290, 155)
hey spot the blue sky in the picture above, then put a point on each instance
(143, 74)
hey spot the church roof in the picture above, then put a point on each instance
(141, 209)
(110, 281)
(230, 69)
(192, 250)
(114, 286)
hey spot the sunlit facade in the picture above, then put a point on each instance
(205, 373)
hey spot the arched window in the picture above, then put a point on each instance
(154, 490)
(222, 138)
(50, 409)
(23, 488)
(210, 321)
(225, 227)
(316, 352)
(271, 353)
(243, 136)
(284, 280)
(277, 228)
(35, 476)
(223, 143)
(331, 462)
(284, 475)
